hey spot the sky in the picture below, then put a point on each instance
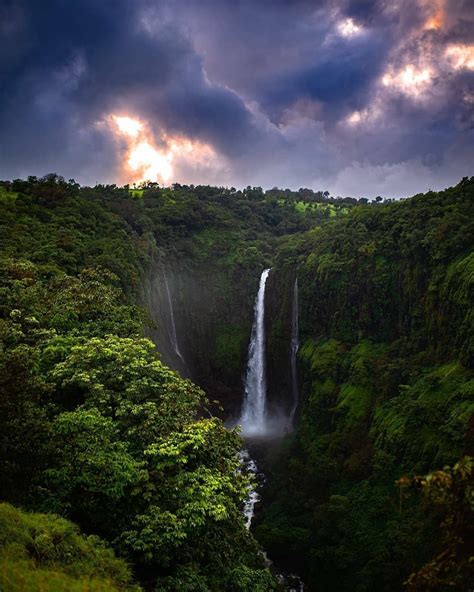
(357, 97)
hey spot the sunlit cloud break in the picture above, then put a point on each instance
(147, 160)
(409, 80)
(348, 28)
(461, 57)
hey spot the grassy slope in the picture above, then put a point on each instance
(48, 553)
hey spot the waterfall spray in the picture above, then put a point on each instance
(172, 327)
(294, 347)
(254, 408)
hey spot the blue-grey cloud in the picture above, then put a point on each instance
(287, 93)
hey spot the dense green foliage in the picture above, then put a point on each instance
(93, 425)
(212, 242)
(386, 359)
(452, 491)
(96, 427)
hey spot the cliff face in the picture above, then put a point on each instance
(213, 314)
(279, 305)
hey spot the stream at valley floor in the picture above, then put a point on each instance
(289, 581)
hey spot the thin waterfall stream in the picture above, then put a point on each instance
(172, 326)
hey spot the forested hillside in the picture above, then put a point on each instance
(95, 425)
(387, 331)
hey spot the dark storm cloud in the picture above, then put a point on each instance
(270, 85)
(340, 79)
(84, 60)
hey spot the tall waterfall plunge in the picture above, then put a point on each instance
(294, 347)
(253, 419)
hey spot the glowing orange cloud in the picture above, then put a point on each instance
(436, 17)
(145, 160)
(435, 22)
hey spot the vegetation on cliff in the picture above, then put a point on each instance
(94, 426)
(386, 370)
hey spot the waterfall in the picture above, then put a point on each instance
(294, 347)
(253, 412)
(172, 326)
(252, 496)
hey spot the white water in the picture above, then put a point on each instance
(253, 497)
(172, 325)
(290, 582)
(294, 347)
(253, 419)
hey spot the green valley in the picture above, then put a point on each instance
(125, 322)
